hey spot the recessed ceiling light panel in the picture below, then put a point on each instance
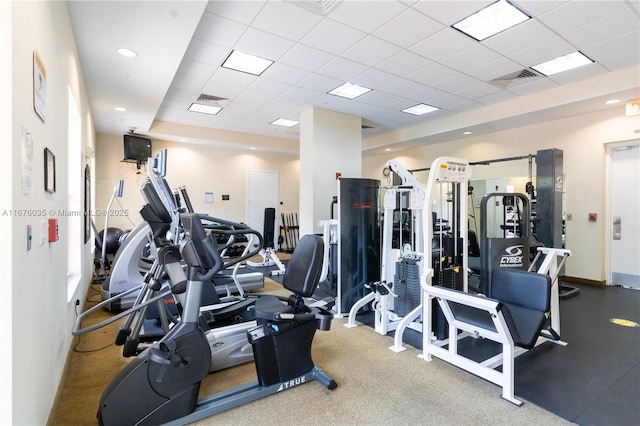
(205, 109)
(349, 91)
(246, 63)
(284, 122)
(562, 63)
(491, 20)
(420, 109)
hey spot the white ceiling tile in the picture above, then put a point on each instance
(275, 13)
(408, 28)
(320, 83)
(400, 87)
(575, 14)
(176, 104)
(432, 74)
(614, 47)
(537, 7)
(332, 37)
(622, 61)
(577, 74)
(612, 26)
(263, 45)
(265, 86)
(187, 83)
(240, 11)
(375, 97)
(374, 78)
(342, 69)
(284, 73)
(371, 51)
(227, 83)
(205, 52)
(404, 63)
(220, 31)
(366, 15)
(306, 58)
(195, 70)
(328, 101)
(181, 94)
(491, 70)
(427, 94)
(450, 12)
(301, 94)
(526, 86)
(528, 33)
(542, 52)
(457, 82)
(442, 44)
(470, 58)
(478, 91)
(495, 97)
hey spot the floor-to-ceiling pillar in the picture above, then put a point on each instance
(330, 144)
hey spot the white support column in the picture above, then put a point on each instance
(330, 143)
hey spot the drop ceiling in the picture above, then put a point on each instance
(406, 51)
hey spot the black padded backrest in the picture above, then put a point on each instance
(527, 289)
(305, 266)
(269, 227)
(155, 203)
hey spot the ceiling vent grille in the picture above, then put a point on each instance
(506, 80)
(320, 7)
(210, 99)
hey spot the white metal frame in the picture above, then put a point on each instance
(500, 334)
(443, 170)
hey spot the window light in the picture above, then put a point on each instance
(491, 20)
(284, 122)
(562, 63)
(420, 109)
(246, 63)
(350, 91)
(206, 109)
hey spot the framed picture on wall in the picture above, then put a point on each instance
(49, 171)
(39, 87)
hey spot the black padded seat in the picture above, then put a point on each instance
(526, 296)
(301, 278)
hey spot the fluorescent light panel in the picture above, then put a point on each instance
(284, 122)
(246, 63)
(562, 63)
(491, 20)
(420, 109)
(206, 109)
(349, 91)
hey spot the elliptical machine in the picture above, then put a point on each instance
(161, 384)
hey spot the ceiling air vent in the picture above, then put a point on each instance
(321, 7)
(506, 80)
(210, 99)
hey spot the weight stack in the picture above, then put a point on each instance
(406, 284)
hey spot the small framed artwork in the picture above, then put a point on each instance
(49, 171)
(39, 87)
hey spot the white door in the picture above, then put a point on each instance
(262, 192)
(624, 215)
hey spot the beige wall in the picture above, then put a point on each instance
(198, 167)
(41, 316)
(581, 138)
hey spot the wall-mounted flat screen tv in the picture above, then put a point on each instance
(136, 148)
